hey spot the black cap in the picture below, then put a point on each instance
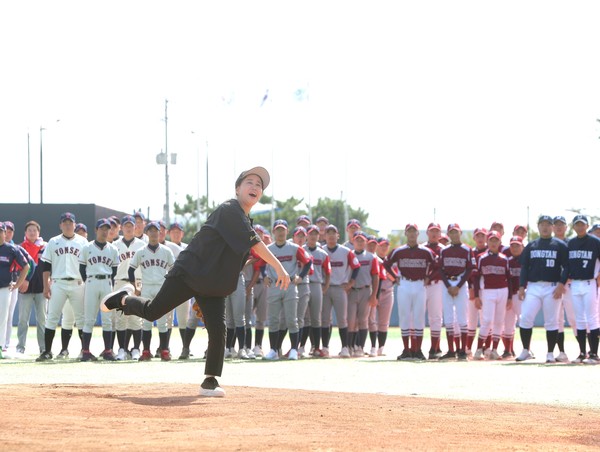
(547, 218)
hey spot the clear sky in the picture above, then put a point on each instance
(474, 110)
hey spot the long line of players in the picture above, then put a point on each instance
(443, 280)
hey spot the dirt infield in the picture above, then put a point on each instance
(157, 416)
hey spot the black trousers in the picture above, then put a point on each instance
(175, 292)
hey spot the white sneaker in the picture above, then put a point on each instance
(562, 358)
(301, 352)
(64, 354)
(380, 351)
(121, 356)
(293, 354)
(229, 353)
(357, 352)
(494, 355)
(257, 350)
(135, 354)
(550, 359)
(325, 352)
(250, 354)
(373, 352)
(210, 388)
(591, 359)
(242, 354)
(272, 355)
(478, 356)
(344, 353)
(487, 352)
(525, 355)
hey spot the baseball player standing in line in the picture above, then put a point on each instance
(235, 318)
(186, 320)
(8, 255)
(289, 254)
(474, 314)
(140, 226)
(512, 313)
(352, 227)
(155, 261)
(128, 326)
(456, 263)
(560, 232)
(319, 279)
(98, 266)
(415, 266)
(322, 223)
(115, 228)
(81, 229)
(208, 270)
(344, 268)
(492, 288)
(32, 291)
(60, 263)
(544, 272)
(379, 316)
(434, 292)
(363, 294)
(260, 297)
(584, 261)
(299, 238)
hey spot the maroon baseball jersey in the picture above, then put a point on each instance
(515, 273)
(493, 269)
(414, 263)
(436, 249)
(456, 262)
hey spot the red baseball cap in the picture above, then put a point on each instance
(494, 235)
(519, 226)
(353, 222)
(411, 225)
(312, 228)
(480, 231)
(454, 226)
(362, 235)
(516, 239)
(299, 230)
(434, 226)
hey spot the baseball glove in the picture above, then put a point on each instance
(199, 314)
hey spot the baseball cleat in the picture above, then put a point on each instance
(580, 359)
(250, 354)
(185, 353)
(591, 359)
(525, 355)
(507, 355)
(113, 299)
(373, 352)
(241, 354)
(494, 356)
(64, 354)
(135, 354)
(448, 356)
(380, 351)
(562, 358)
(272, 355)
(406, 355)
(146, 356)
(121, 355)
(45, 356)
(325, 352)
(257, 350)
(550, 359)
(478, 356)
(462, 356)
(165, 355)
(210, 388)
(108, 355)
(87, 356)
(419, 356)
(344, 353)
(301, 352)
(293, 354)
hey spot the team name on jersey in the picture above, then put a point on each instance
(287, 258)
(100, 260)
(67, 250)
(544, 254)
(455, 262)
(515, 271)
(337, 263)
(126, 255)
(412, 263)
(493, 270)
(154, 263)
(580, 254)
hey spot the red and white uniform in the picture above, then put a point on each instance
(456, 263)
(492, 284)
(474, 314)
(434, 295)
(512, 314)
(414, 265)
(379, 316)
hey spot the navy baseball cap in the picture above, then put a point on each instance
(361, 234)
(557, 218)
(102, 222)
(111, 221)
(139, 214)
(2, 227)
(162, 224)
(371, 238)
(331, 227)
(549, 219)
(152, 224)
(127, 219)
(322, 219)
(176, 225)
(67, 216)
(353, 222)
(382, 240)
(9, 225)
(595, 227)
(280, 224)
(260, 228)
(312, 228)
(302, 218)
(300, 230)
(115, 218)
(80, 227)
(577, 219)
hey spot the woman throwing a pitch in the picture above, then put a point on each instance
(208, 270)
